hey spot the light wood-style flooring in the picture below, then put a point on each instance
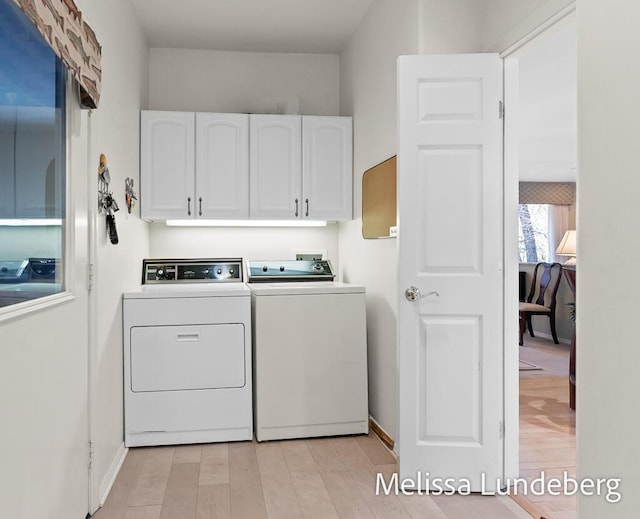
(336, 477)
(547, 425)
(547, 440)
(314, 478)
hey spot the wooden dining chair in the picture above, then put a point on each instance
(542, 297)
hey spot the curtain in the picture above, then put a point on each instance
(558, 225)
(72, 40)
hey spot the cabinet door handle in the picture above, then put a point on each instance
(296, 207)
(200, 210)
(307, 202)
(189, 206)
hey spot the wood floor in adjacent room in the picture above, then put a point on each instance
(547, 425)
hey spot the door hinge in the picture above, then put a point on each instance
(501, 429)
(90, 276)
(500, 109)
(91, 453)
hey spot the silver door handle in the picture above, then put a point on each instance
(414, 293)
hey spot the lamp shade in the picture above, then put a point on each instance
(567, 246)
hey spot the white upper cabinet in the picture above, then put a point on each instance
(222, 165)
(301, 167)
(275, 166)
(238, 166)
(327, 167)
(167, 181)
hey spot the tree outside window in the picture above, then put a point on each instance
(533, 233)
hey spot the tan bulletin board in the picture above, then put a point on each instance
(379, 199)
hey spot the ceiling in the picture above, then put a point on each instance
(296, 26)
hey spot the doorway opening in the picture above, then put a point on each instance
(546, 158)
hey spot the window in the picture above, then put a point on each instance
(541, 228)
(533, 233)
(32, 161)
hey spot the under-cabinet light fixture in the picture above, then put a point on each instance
(246, 223)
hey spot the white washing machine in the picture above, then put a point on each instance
(187, 354)
(309, 351)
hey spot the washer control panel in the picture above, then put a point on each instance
(289, 270)
(191, 270)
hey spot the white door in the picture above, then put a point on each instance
(222, 165)
(450, 200)
(167, 165)
(275, 166)
(327, 167)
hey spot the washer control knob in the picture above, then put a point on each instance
(219, 271)
(206, 272)
(265, 268)
(318, 267)
(281, 268)
(160, 273)
(231, 271)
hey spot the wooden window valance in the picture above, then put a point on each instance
(72, 40)
(553, 193)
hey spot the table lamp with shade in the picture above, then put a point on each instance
(567, 247)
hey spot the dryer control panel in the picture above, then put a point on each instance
(191, 270)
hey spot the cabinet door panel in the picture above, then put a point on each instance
(327, 175)
(167, 165)
(222, 165)
(275, 166)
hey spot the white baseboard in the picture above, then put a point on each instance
(111, 475)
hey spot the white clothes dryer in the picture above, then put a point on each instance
(187, 354)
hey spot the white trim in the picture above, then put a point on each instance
(34, 305)
(112, 473)
(95, 487)
(546, 24)
(511, 267)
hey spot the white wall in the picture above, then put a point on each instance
(247, 243)
(607, 337)
(115, 132)
(43, 401)
(507, 21)
(215, 81)
(547, 112)
(368, 92)
(450, 27)
(43, 369)
(252, 82)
